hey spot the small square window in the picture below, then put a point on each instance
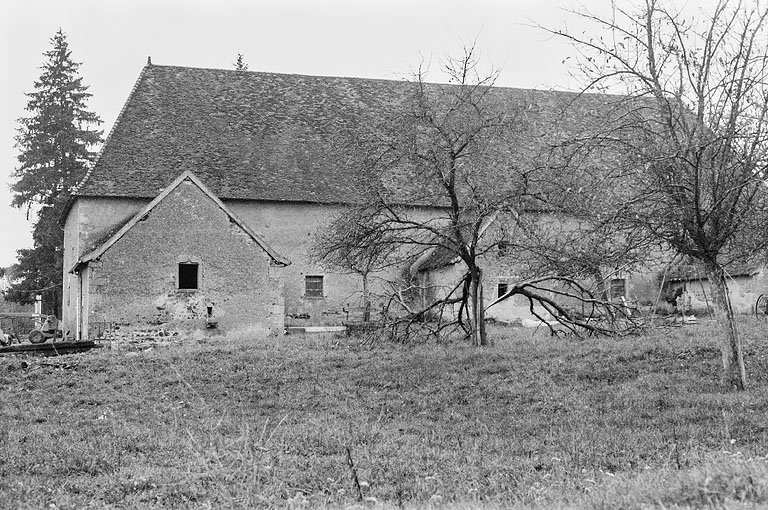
(188, 276)
(618, 288)
(502, 289)
(313, 287)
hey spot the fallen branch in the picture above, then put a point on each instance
(355, 480)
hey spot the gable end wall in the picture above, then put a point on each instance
(134, 285)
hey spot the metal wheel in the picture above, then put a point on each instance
(36, 336)
(761, 306)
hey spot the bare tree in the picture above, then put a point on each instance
(355, 243)
(445, 184)
(435, 151)
(694, 120)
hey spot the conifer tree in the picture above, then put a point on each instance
(56, 144)
(240, 64)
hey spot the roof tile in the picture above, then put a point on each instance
(264, 136)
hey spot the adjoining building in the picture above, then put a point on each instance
(686, 287)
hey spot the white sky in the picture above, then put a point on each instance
(360, 38)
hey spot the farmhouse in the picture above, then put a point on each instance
(201, 208)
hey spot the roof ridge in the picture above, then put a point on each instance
(274, 73)
(385, 80)
(80, 184)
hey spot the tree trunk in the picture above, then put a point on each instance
(603, 293)
(734, 376)
(476, 310)
(366, 300)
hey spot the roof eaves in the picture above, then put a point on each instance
(694, 272)
(422, 263)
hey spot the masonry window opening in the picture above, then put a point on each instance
(313, 287)
(189, 276)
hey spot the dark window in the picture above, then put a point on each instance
(618, 288)
(503, 248)
(188, 276)
(313, 286)
(503, 288)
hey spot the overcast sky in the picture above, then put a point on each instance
(359, 38)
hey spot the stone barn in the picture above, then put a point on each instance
(201, 207)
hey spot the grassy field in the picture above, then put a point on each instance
(535, 422)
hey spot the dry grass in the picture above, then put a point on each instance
(535, 422)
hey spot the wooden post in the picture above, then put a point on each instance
(38, 310)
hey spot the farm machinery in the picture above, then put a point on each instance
(36, 328)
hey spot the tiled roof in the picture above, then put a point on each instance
(437, 258)
(264, 136)
(693, 272)
(440, 256)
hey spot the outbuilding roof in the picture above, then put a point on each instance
(266, 136)
(694, 272)
(113, 237)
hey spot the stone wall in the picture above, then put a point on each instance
(697, 295)
(289, 227)
(640, 289)
(134, 287)
(88, 224)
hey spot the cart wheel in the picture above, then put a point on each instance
(761, 306)
(36, 336)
